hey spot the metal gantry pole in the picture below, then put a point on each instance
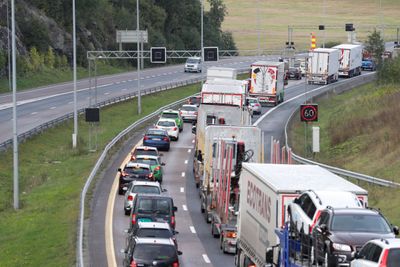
(258, 28)
(138, 58)
(75, 134)
(201, 40)
(14, 94)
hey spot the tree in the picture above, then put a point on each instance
(50, 58)
(375, 45)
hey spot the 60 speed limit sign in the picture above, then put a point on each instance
(309, 112)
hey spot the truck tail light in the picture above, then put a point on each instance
(383, 262)
(230, 235)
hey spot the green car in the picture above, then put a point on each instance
(173, 114)
(155, 165)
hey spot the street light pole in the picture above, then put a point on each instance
(201, 40)
(14, 94)
(75, 134)
(138, 59)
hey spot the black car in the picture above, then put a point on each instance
(294, 73)
(194, 100)
(154, 230)
(144, 251)
(133, 171)
(340, 233)
(153, 208)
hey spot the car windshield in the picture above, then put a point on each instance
(192, 60)
(194, 100)
(159, 206)
(147, 161)
(360, 223)
(153, 232)
(293, 69)
(156, 132)
(169, 115)
(136, 170)
(146, 189)
(151, 252)
(166, 123)
(393, 257)
(189, 108)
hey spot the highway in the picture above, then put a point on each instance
(41, 105)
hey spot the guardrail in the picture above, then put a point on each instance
(38, 129)
(339, 88)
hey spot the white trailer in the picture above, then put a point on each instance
(221, 73)
(323, 66)
(350, 59)
(266, 191)
(267, 82)
(224, 91)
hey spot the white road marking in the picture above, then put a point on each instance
(123, 82)
(34, 113)
(129, 80)
(183, 174)
(153, 76)
(106, 93)
(186, 161)
(147, 77)
(193, 141)
(182, 189)
(117, 82)
(206, 259)
(189, 150)
(71, 102)
(184, 207)
(124, 89)
(53, 107)
(192, 229)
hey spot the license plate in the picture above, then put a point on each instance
(157, 139)
(144, 220)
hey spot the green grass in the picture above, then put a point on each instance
(359, 131)
(52, 174)
(52, 76)
(275, 16)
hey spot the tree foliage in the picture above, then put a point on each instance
(375, 45)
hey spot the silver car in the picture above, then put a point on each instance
(140, 187)
(254, 105)
(189, 112)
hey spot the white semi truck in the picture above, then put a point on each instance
(350, 59)
(221, 73)
(323, 66)
(267, 80)
(265, 192)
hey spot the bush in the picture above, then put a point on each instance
(389, 71)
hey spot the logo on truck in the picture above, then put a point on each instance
(259, 201)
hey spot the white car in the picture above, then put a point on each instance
(305, 210)
(189, 112)
(378, 253)
(140, 187)
(170, 126)
(193, 64)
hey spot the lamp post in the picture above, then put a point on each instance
(138, 59)
(201, 39)
(75, 134)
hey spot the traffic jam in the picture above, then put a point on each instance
(263, 214)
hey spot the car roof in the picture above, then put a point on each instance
(146, 148)
(167, 119)
(154, 196)
(356, 211)
(146, 157)
(154, 225)
(170, 111)
(387, 242)
(148, 183)
(336, 199)
(131, 164)
(151, 240)
(188, 105)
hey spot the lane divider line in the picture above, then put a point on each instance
(189, 150)
(192, 229)
(183, 174)
(182, 189)
(206, 259)
(184, 207)
(186, 161)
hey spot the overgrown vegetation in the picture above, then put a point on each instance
(52, 174)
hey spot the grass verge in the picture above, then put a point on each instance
(52, 174)
(359, 131)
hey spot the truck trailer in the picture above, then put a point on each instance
(221, 73)
(323, 66)
(265, 192)
(267, 80)
(350, 59)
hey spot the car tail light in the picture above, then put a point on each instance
(133, 264)
(146, 138)
(256, 104)
(150, 176)
(173, 221)
(166, 139)
(175, 264)
(157, 168)
(314, 221)
(130, 198)
(133, 219)
(195, 113)
(230, 235)
(383, 262)
(175, 129)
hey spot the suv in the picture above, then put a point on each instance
(189, 113)
(133, 171)
(193, 64)
(194, 100)
(145, 150)
(160, 252)
(340, 233)
(173, 114)
(154, 230)
(153, 208)
(378, 252)
(305, 210)
(139, 187)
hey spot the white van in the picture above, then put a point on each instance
(193, 64)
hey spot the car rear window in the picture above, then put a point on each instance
(154, 205)
(169, 115)
(147, 161)
(156, 132)
(156, 233)
(393, 257)
(360, 223)
(189, 108)
(146, 189)
(134, 170)
(166, 123)
(154, 252)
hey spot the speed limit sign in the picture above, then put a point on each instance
(309, 112)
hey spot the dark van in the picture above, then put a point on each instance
(153, 208)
